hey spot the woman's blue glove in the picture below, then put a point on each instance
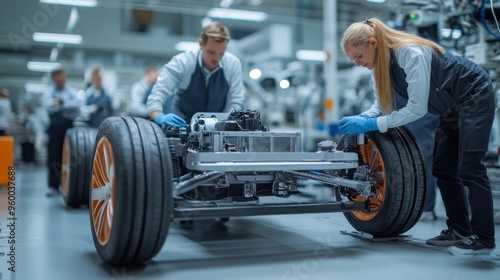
(357, 125)
(170, 119)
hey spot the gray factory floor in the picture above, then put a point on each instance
(54, 242)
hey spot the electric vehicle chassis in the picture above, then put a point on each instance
(137, 177)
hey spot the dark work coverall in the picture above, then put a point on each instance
(462, 95)
(61, 119)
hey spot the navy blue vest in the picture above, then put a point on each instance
(453, 80)
(198, 97)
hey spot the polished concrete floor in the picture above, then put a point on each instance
(54, 242)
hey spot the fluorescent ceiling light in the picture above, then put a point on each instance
(311, 55)
(187, 46)
(54, 53)
(376, 1)
(79, 3)
(40, 66)
(73, 19)
(237, 14)
(57, 38)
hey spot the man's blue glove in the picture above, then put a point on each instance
(170, 119)
(364, 115)
(357, 125)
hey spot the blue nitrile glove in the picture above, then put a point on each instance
(363, 115)
(357, 125)
(170, 119)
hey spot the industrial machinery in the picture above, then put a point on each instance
(223, 165)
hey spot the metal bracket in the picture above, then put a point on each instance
(369, 237)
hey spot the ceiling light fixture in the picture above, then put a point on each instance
(237, 14)
(376, 1)
(311, 55)
(40, 66)
(72, 20)
(57, 38)
(79, 3)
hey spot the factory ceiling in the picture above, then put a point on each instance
(126, 35)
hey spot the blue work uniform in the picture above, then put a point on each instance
(102, 101)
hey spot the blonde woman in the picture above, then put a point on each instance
(460, 92)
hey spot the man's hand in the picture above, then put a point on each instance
(357, 125)
(170, 120)
(57, 102)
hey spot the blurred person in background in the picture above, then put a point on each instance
(206, 80)
(62, 107)
(30, 127)
(5, 112)
(140, 92)
(98, 104)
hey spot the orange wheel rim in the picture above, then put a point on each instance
(371, 156)
(102, 193)
(65, 168)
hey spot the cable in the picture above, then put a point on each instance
(494, 16)
(483, 20)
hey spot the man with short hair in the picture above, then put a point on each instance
(206, 80)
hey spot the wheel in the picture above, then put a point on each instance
(131, 192)
(78, 150)
(396, 164)
(420, 178)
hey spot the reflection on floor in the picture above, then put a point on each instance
(53, 242)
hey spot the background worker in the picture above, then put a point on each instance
(5, 112)
(97, 101)
(457, 90)
(63, 107)
(206, 80)
(30, 127)
(140, 91)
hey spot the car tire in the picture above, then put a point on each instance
(131, 193)
(395, 161)
(78, 151)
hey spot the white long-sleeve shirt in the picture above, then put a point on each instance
(416, 63)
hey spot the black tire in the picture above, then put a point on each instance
(420, 178)
(78, 151)
(131, 193)
(394, 158)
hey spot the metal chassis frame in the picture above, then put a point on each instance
(216, 164)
